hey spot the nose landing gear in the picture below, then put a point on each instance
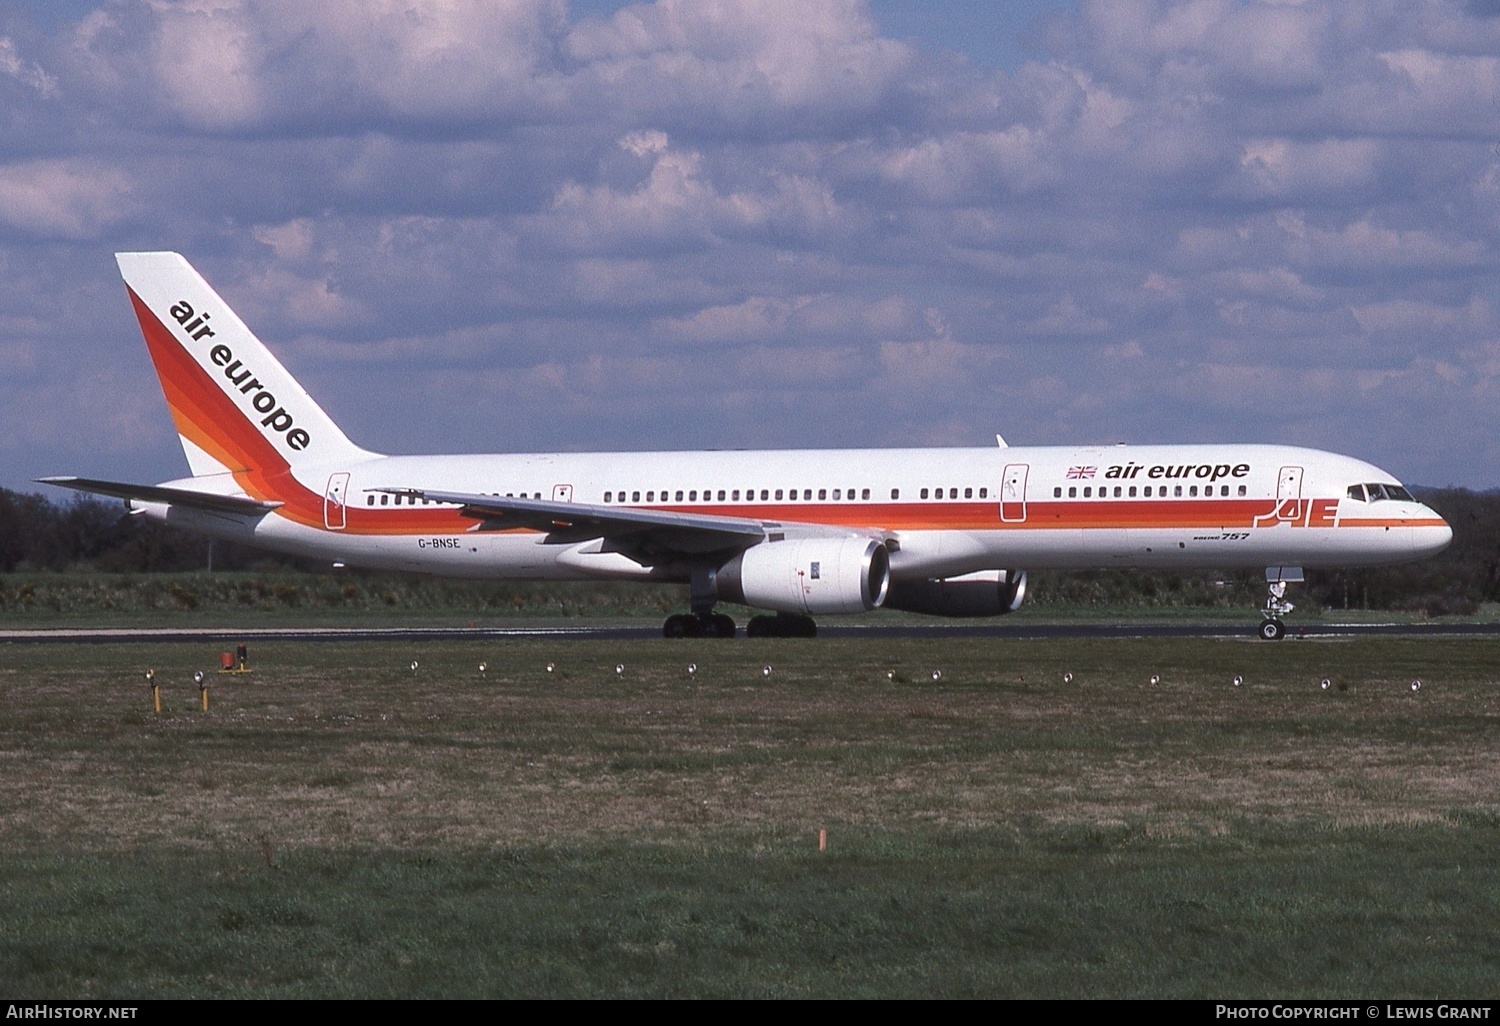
(1277, 578)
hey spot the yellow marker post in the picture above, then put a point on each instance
(202, 688)
(155, 690)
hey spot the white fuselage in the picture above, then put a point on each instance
(943, 512)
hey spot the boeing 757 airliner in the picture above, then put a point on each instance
(798, 533)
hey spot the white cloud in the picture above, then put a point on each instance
(63, 198)
(25, 71)
(680, 222)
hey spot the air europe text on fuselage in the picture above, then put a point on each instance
(1202, 471)
(276, 417)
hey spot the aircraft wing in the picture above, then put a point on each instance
(157, 493)
(574, 521)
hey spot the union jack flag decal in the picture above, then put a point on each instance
(1079, 473)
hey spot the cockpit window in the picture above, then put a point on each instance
(1377, 492)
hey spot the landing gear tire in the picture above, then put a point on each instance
(691, 625)
(782, 625)
(1272, 630)
(681, 625)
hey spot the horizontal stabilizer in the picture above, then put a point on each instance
(172, 496)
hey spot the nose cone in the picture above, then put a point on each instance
(1432, 534)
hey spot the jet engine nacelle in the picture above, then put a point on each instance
(986, 593)
(809, 575)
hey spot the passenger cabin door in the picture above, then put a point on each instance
(335, 498)
(1289, 493)
(1013, 493)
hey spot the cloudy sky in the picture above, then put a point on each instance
(512, 225)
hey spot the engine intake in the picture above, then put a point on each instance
(808, 575)
(986, 593)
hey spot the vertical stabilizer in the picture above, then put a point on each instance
(236, 408)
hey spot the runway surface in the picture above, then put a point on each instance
(647, 630)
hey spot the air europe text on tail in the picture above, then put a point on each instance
(236, 408)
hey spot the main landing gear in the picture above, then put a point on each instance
(1277, 578)
(717, 625)
(702, 622)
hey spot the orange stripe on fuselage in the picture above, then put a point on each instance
(1396, 522)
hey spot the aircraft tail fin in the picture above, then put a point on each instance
(237, 409)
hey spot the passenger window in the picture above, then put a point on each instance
(807, 494)
(679, 495)
(606, 496)
(764, 493)
(1242, 489)
(984, 493)
(1132, 491)
(952, 493)
(1117, 491)
(635, 496)
(924, 493)
(721, 495)
(1072, 491)
(968, 493)
(822, 494)
(650, 496)
(836, 493)
(866, 494)
(895, 493)
(1148, 491)
(385, 499)
(1057, 492)
(369, 500)
(1177, 491)
(778, 495)
(1088, 491)
(1192, 491)
(692, 496)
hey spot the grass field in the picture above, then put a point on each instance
(340, 825)
(287, 597)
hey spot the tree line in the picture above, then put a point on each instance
(38, 534)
